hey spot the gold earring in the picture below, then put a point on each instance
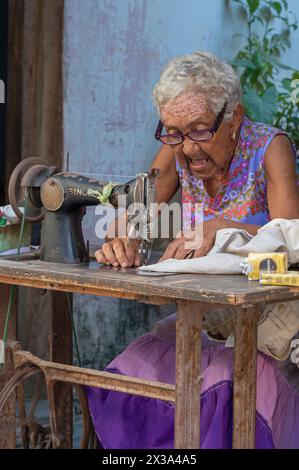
(233, 135)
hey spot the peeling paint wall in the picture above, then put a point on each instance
(114, 52)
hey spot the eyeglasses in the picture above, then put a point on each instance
(197, 136)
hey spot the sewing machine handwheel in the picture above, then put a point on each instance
(16, 193)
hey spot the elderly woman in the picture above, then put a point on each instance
(243, 174)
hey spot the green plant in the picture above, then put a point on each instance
(266, 81)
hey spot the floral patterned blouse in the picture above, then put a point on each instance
(243, 196)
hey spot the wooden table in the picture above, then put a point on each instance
(194, 294)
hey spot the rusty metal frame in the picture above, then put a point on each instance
(31, 431)
(57, 372)
(26, 365)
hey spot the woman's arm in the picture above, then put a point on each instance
(282, 187)
(168, 182)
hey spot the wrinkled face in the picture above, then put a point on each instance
(190, 112)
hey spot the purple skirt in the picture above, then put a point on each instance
(124, 421)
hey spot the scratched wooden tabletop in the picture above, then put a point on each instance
(92, 278)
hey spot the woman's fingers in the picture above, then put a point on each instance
(181, 253)
(100, 257)
(118, 253)
(109, 254)
(202, 251)
(131, 251)
(170, 250)
(137, 260)
(179, 248)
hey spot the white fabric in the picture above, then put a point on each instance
(232, 245)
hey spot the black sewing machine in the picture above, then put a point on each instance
(58, 199)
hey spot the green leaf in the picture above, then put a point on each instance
(286, 83)
(260, 108)
(253, 5)
(277, 6)
(243, 63)
(279, 64)
(285, 4)
(287, 42)
(103, 197)
(258, 18)
(266, 13)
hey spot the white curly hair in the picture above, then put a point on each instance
(201, 72)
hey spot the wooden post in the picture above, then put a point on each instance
(244, 401)
(188, 355)
(14, 88)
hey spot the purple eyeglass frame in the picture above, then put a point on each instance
(212, 130)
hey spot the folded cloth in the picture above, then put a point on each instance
(232, 245)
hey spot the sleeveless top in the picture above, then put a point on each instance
(243, 195)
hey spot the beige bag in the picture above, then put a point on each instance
(219, 323)
(278, 325)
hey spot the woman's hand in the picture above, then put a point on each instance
(117, 253)
(200, 241)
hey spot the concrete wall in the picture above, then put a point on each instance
(114, 52)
